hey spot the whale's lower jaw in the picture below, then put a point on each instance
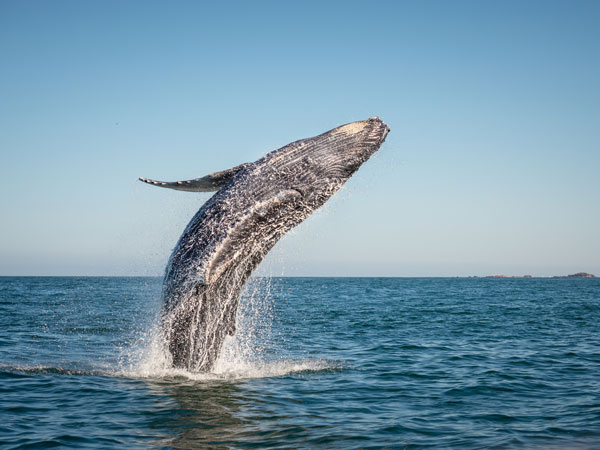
(234, 230)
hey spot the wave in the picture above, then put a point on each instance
(239, 371)
(148, 358)
(225, 372)
(24, 370)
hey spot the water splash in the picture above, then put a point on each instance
(249, 353)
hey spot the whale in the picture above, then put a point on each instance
(254, 205)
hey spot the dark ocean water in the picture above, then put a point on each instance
(317, 363)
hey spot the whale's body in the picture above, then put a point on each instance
(255, 205)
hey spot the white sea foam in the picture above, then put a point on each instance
(237, 361)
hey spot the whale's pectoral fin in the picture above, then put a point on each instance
(208, 183)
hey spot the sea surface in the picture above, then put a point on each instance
(348, 363)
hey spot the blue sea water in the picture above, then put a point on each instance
(316, 363)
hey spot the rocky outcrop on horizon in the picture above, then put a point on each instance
(577, 275)
(574, 275)
(508, 276)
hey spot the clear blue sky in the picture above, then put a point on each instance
(492, 164)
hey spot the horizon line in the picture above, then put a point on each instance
(589, 275)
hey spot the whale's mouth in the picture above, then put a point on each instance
(379, 130)
(385, 132)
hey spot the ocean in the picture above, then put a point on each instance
(340, 363)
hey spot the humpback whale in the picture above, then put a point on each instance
(255, 204)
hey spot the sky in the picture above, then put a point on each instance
(492, 165)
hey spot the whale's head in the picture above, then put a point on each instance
(316, 167)
(347, 147)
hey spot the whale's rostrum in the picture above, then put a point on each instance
(254, 206)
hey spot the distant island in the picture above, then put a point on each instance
(508, 276)
(574, 275)
(577, 275)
